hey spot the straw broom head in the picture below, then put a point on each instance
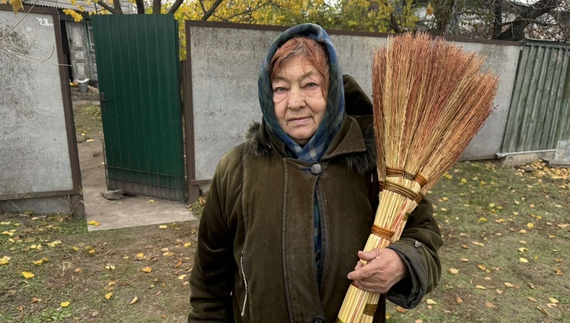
(430, 99)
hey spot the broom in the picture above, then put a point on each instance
(430, 99)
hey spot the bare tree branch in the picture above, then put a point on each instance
(117, 5)
(108, 7)
(201, 2)
(498, 18)
(394, 24)
(211, 10)
(516, 29)
(248, 11)
(175, 6)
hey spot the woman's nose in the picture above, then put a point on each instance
(296, 99)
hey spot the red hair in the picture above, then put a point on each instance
(308, 49)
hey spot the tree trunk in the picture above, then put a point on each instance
(140, 6)
(497, 18)
(210, 11)
(516, 29)
(156, 4)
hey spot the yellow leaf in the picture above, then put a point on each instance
(482, 267)
(140, 255)
(187, 244)
(490, 305)
(532, 205)
(530, 225)
(11, 234)
(76, 16)
(431, 302)
(38, 262)
(54, 243)
(532, 299)
(480, 287)
(91, 251)
(93, 222)
(553, 300)
(28, 274)
(64, 304)
(110, 267)
(463, 180)
(150, 201)
(459, 300)
(4, 260)
(75, 249)
(147, 269)
(17, 5)
(500, 292)
(481, 219)
(453, 270)
(509, 285)
(523, 249)
(464, 259)
(401, 309)
(492, 205)
(523, 260)
(522, 231)
(162, 226)
(89, 140)
(109, 295)
(429, 12)
(182, 277)
(136, 299)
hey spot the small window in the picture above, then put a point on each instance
(90, 40)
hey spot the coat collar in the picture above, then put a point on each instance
(353, 145)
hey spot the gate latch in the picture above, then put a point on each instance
(103, 101)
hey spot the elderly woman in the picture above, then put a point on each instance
(289, 209)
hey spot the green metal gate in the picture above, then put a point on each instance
(139, 83)
(539, 115)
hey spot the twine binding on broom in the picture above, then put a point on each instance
(370, 309)
(382, 233)
(398, 189)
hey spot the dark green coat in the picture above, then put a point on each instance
(255, 260)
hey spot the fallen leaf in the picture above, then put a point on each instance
(78, 270)
(480, 287)
(532, 299)
(550, 305)
(54, 243)
(563, 226)
(150, 201)
(522, 231)
(93, 222)
(523, 260)
(140, 256)
(136, 299)
(38, 262)
(162, 226)
(553, 300)
(147, 269)
(464, 259)
(459, 300)
(36, 300)
(95, 313)
(487, 278)
(482, 267)
(500, 292)
(182, 277)
(187, 244)
(178, 263)
(523, 249)
(28, 274)
(509, 285)
(4, 260)
(400, 309)
(64, 304)
(490, 305)
(542, 310)
(431, 301)
(110, 267)
(89, 140)
(532, 205)
(418, 321)
(530, 225)
(453, 270)
(109, 295)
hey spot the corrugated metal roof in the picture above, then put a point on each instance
(66, 4)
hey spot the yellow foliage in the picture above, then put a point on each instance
(76, 16)
(28, 274)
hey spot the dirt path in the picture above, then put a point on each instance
(128, 211)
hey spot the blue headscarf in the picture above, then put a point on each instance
(334, 113)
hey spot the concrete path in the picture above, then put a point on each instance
(128, 211)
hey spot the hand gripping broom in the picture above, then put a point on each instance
(430, 99)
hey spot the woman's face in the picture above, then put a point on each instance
(298, 99)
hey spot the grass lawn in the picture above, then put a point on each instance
(505, 258)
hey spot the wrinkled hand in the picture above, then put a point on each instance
(383, 270)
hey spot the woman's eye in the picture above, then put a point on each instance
(311, 85)
(279, 89)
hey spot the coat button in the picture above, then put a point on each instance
(316, 169)
(318, 319)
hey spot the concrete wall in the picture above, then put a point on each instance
(34, 151)
(225, 65)
(82, 57)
